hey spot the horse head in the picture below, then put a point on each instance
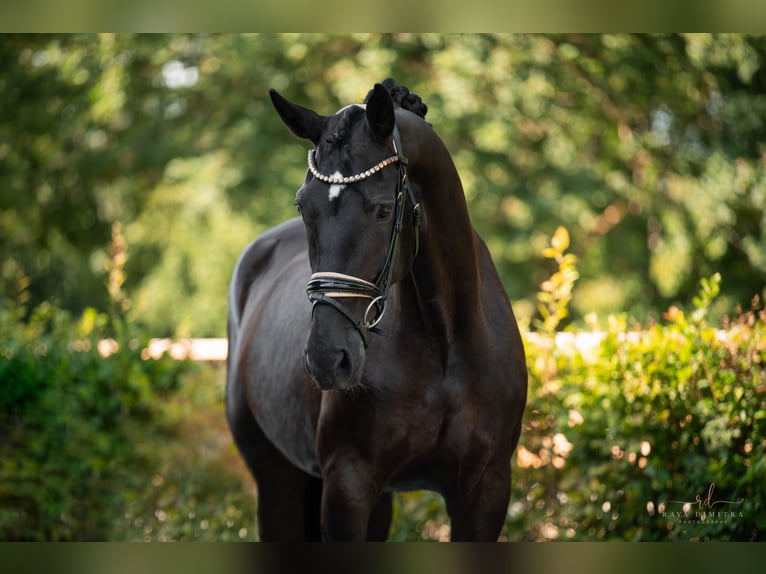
(360, 217)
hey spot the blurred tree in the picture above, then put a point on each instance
(647, 148)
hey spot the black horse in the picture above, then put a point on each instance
(404, 368)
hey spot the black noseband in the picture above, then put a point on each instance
(326, 288)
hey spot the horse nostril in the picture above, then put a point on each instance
(330, 368)
(343, 366)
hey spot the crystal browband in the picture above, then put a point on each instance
(352, 178)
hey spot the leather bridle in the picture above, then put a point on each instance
(326, 288)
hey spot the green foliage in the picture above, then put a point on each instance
(419, 516)
(197, 488)
(556, 293)
(99, 441)
(647, 148)
(618, 429)
(73, 422)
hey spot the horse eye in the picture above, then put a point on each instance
(384, 212)
(298, 207)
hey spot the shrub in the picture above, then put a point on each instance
(197, 488)
(122, 447)
(655, 432)
(72, 422)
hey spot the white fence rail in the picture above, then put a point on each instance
(215, 349)
(194, 349)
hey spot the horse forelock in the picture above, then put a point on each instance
(341, 130)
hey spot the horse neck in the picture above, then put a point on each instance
(445, 273)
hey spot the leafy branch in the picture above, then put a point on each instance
(556, 292)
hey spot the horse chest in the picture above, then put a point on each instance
(412, 436)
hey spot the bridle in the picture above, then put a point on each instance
(325, 288)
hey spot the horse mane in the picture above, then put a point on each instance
(403, 97)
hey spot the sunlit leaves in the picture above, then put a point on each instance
(648, 148)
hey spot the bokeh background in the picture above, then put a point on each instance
(648, 148)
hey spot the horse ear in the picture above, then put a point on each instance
(303, 122)
(380, 113)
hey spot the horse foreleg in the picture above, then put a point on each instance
(379, 523)
(348, 501)
(480, 514)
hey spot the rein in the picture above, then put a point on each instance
(325, 288)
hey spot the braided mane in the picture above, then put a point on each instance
(403, 97)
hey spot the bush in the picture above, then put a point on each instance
(122, 447)
(76, 428)
(197, 488)
(655, 432)
(72, 422)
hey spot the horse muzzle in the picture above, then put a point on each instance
(334, 357)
